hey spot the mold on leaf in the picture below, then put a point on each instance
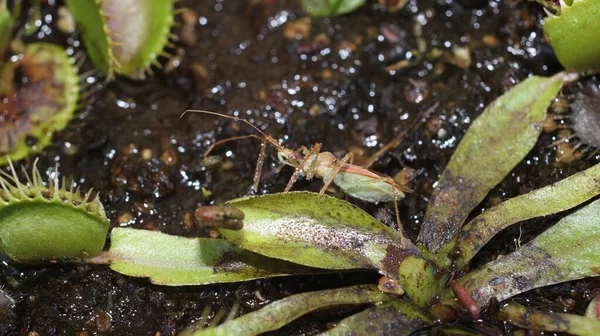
(47, 222)
(38, 95)
(125, 37)
(509, 127)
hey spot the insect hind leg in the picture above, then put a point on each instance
(336, 170)
(394, 195)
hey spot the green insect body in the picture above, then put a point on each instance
(368, 188)
(354, 180)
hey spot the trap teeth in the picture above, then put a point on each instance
(125, 37)
(42, 103)
(41, 222)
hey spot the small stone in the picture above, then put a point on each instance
(462, 57)
(169, 157)
(125, 219)
(298, 29)
(146, 154)
(187, 34)
(490, 40)
(188, 221)
(65, 23)
(405, 176)
(102, 321)
(227, 165)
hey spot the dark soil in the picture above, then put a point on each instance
(131, 145)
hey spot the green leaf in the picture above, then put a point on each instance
(494, 144)
(177, 261)
(551, 199)
(420, 280)
(593, 309)
(280, 313)
(331, 7)
(574, 36)
(6, 28)
(48, 223)
(318, 231)
(396, 318)
(34, 17)
(89, 18)
(567, 251)
(529, 318)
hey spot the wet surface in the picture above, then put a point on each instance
(351, 83)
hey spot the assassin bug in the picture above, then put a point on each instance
(354, 180)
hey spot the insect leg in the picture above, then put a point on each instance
(216, 143)
(372, 185)
(335, 171)
(314, 151)
(259, 165)
(398, 222)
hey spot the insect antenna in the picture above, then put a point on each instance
(265, 138)
(216, 143)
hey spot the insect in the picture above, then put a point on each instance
(354, 180)
(220, 217)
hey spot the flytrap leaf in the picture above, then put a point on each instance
(38, 106)
(282, 312)
(318, 231)
(551, 199)
(494, 144)
(397, 318)
(177, 261)
(573, 34)
(593, 309)
(7, 23)
(524, 317)
(124, 36)
(567, 251)
(48, 223)
(331, 7)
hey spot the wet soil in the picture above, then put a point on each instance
(342, 85)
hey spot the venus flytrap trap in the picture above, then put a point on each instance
(40, 106)
(573, 34)
(125, 37)
(43, 222)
